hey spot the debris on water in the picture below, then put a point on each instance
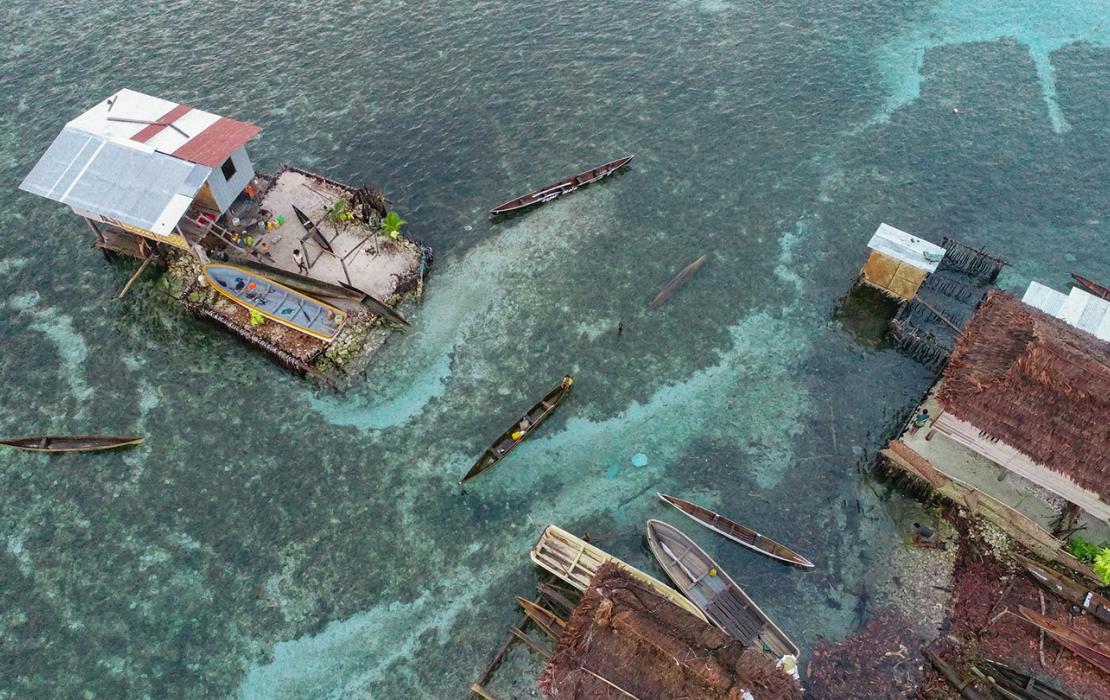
(639, 459)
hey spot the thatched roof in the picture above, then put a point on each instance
(1038, 385)
(625, 640)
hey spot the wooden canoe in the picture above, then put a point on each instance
(1020, 684)
(1095, 653)
(557, 189)
(379, 307)
(1091, 286)
(71, 443)
(963, 687)
(301, 283)
(1091, 601)
(576, 561)
(723, 601)
(736, 532)
(275, 301)
(677, 283)
(311, 229)
(504, 444)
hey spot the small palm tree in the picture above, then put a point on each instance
(391, 225)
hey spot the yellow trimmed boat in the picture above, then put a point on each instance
(275, 301)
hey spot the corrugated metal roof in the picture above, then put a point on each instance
(1079, 309)
(906, 248)
(138, 187)
(215, 144)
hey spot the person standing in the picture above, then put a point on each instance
(299, 259)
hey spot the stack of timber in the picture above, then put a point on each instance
(724, 602)
(1090, 600)
(1018, 685)
(736, 532)
(576, 561)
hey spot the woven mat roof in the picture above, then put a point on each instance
(625, 640)
(1037, 384)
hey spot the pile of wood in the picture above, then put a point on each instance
(369, 199)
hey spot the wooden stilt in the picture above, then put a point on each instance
(134, 277)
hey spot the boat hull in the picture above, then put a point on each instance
(276, 301)
(1091, 286)
(558, 189)
(724, 602)
(505, 444)
(736, 532)
(71, 443)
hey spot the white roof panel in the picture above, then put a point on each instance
(110, 179)
(1079, 309)
(125, 104)
(902, 246)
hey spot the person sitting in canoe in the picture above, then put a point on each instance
(567, 381)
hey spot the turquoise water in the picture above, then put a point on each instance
(269, 540)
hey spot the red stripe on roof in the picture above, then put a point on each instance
(149, 132)
(212, 146)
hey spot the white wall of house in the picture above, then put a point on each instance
(224, 191)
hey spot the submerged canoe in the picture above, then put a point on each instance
(71, 443)
(1020, 684)
(723, 601)
(677, 283)
(736, 532)
(1091, 286)
(312, 230)
(576, 561)
(557, 189)
(275, 301)
(503, 445)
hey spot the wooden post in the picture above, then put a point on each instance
(135, 276)
(94, 229)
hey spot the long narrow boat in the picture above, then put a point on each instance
(736, 532)
(515, 435)
(676, 283)
(576, 561)
(379, 307)
(1091, 286)
(71, 443)
(723, 601)
(301, 283)
(1095, 653)
(312, 230)
(1091, 601)
(275, 301)
(557, 189)
(1020, 684)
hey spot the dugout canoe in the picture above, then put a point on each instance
(378, 306)
(1095, 653)
(557, 189)
(1091, 601)
(312, 230)
(703, 581)
(676, 283)
(576, 561)
(71, 443)
(1019, 684)
(504, 444)
(736, 532)
(275, 301)
(1091, 286)
(301, 283)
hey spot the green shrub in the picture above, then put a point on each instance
(391, 225)
(341, 212)
(1102, 565)
(1083, 550)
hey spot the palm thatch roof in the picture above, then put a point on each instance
(625, 640)
(1037, 384)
